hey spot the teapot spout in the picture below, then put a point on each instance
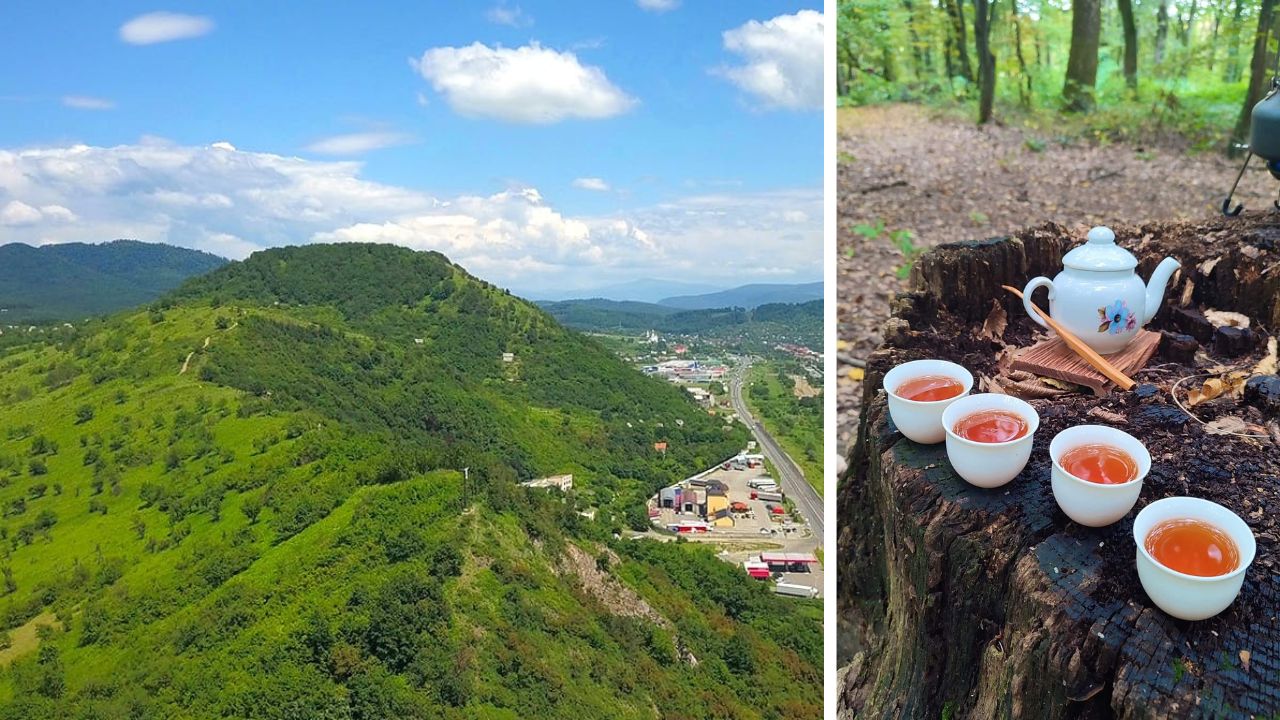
(1156, 286)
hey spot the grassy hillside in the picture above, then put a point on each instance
(285, 529)
(72, 281)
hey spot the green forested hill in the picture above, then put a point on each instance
(72, 281)
(285, 529)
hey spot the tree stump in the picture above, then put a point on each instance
(991, 603)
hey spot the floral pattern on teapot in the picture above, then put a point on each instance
(1117, 318)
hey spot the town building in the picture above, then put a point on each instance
(563, 483)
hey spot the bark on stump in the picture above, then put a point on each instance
(991, 603)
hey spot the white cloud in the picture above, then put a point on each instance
(782, 60)
(658, 5)
(357, 143)
(529, 84)
(502, 14)
(18, 214)
(233, 202)
(84, 102)
(591, 183)
(158, 27)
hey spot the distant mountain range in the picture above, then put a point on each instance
(691, 296)
(747, 296)
(75, 280)
(647, 290)
(800, 323)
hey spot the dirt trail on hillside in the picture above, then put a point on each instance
(947, 180)
(186, 362)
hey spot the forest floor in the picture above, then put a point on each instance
(946, 179)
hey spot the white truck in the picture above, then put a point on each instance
(795, 590)
(763, 483)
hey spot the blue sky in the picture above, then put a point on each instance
(540, 144)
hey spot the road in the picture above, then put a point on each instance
(807, 500)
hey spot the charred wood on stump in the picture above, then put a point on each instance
(991, 603)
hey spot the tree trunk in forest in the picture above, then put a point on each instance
(917, 56)
(1162, 29)
(970, 603)
(1024, 90)
(1259, 75)
(1213, 39)
(1082, 63)
(959, 39)
(888, 65)
(1185, 23)
(1233, 44)
(982, 13)
(1130, 44)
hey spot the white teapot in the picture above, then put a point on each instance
(1098, 296)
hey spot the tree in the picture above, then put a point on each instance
(982, 13)
(1162, 29)
(1130, 43)
(1082, 62)
(958, 44)
(1259, 78)
(84, 414)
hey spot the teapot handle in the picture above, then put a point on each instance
(1031, 287)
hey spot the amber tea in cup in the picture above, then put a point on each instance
(991, 426)
(1193, 547)
(1102, 464)
(930, 388)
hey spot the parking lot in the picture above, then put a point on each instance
(754, 531)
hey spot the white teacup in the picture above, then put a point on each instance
(1191, 597)
(1095, 504)
(988, 465)
(922, 421)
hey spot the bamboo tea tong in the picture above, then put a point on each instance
(1124, 382)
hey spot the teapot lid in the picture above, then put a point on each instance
(1100, 253)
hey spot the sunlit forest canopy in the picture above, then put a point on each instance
(1128, 69)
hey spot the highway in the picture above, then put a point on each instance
(792, 481)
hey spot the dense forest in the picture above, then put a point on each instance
(1126, 70)
(72, 281)
(290, 490)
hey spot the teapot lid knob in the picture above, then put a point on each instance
(1102, 236)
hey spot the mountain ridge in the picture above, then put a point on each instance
(748, 296)
(72, 281)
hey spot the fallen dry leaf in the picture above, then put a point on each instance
(1232, 425)
(1005, 359)
(857, 373)
(1244, 659)
(1225, 318)
(1060, 384)
(1111, 417)
(1229, 384)
(993, 327)
(1267, 366)
(1206, 267)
